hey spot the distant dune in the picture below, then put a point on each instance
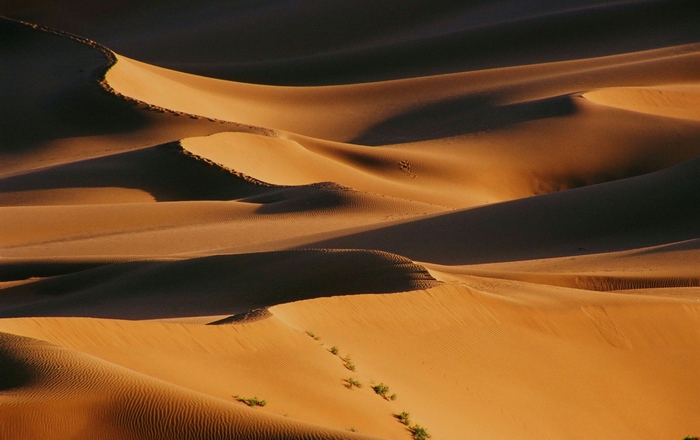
(324, 219)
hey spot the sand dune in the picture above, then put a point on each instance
(149, 174)
(592, 341)
(490, 208)
(64, 116)
(664, 270)
(231, 284)
(346, 112)
(524, 354)
(653, 209)
(65, 393)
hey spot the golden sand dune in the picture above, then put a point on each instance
(462, 219)
(55, 392)
(468, 338)
(653, 209)
(148, 174)
(230, 283)
(55, 111)
(459, 103)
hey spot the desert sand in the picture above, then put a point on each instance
(483, 216)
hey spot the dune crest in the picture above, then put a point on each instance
(676, 101)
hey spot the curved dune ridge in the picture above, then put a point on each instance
(231, 284)
(350, 211)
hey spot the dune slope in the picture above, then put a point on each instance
(218, 285)
(648, 210)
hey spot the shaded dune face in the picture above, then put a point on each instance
(463, 116)
(68, 102)
(633, 213)
(155, 170)
(212, 285)
(238, 40)
(245, 220)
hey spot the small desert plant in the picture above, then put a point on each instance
(690, 437)
(313, 335)
(393, 397)
(251, 402)
(335, 350)
(382, 390)
(419, 433)
(347, 363)
(403, 417)
(352, 382)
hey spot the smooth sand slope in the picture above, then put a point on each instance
(491, 209)
(505, 355)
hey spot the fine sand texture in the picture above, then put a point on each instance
(325, 219)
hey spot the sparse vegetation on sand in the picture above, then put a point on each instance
(334, 349)
(251, 402)
(313, 335)
(383, 390)
(351, 382)
(348, 363)
(419, 433)
(403, 417)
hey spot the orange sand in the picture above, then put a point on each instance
(499, 224)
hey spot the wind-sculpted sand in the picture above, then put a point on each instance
(342, 220)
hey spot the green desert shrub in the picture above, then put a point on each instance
(419, 433)
(313, 335)
(347, 363)
(351, 382)
(251, 402)
(382, 389)
(403, 417)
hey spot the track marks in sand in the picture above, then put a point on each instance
(606, 326)
(505, 373)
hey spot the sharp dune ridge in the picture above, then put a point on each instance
(325, 219)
